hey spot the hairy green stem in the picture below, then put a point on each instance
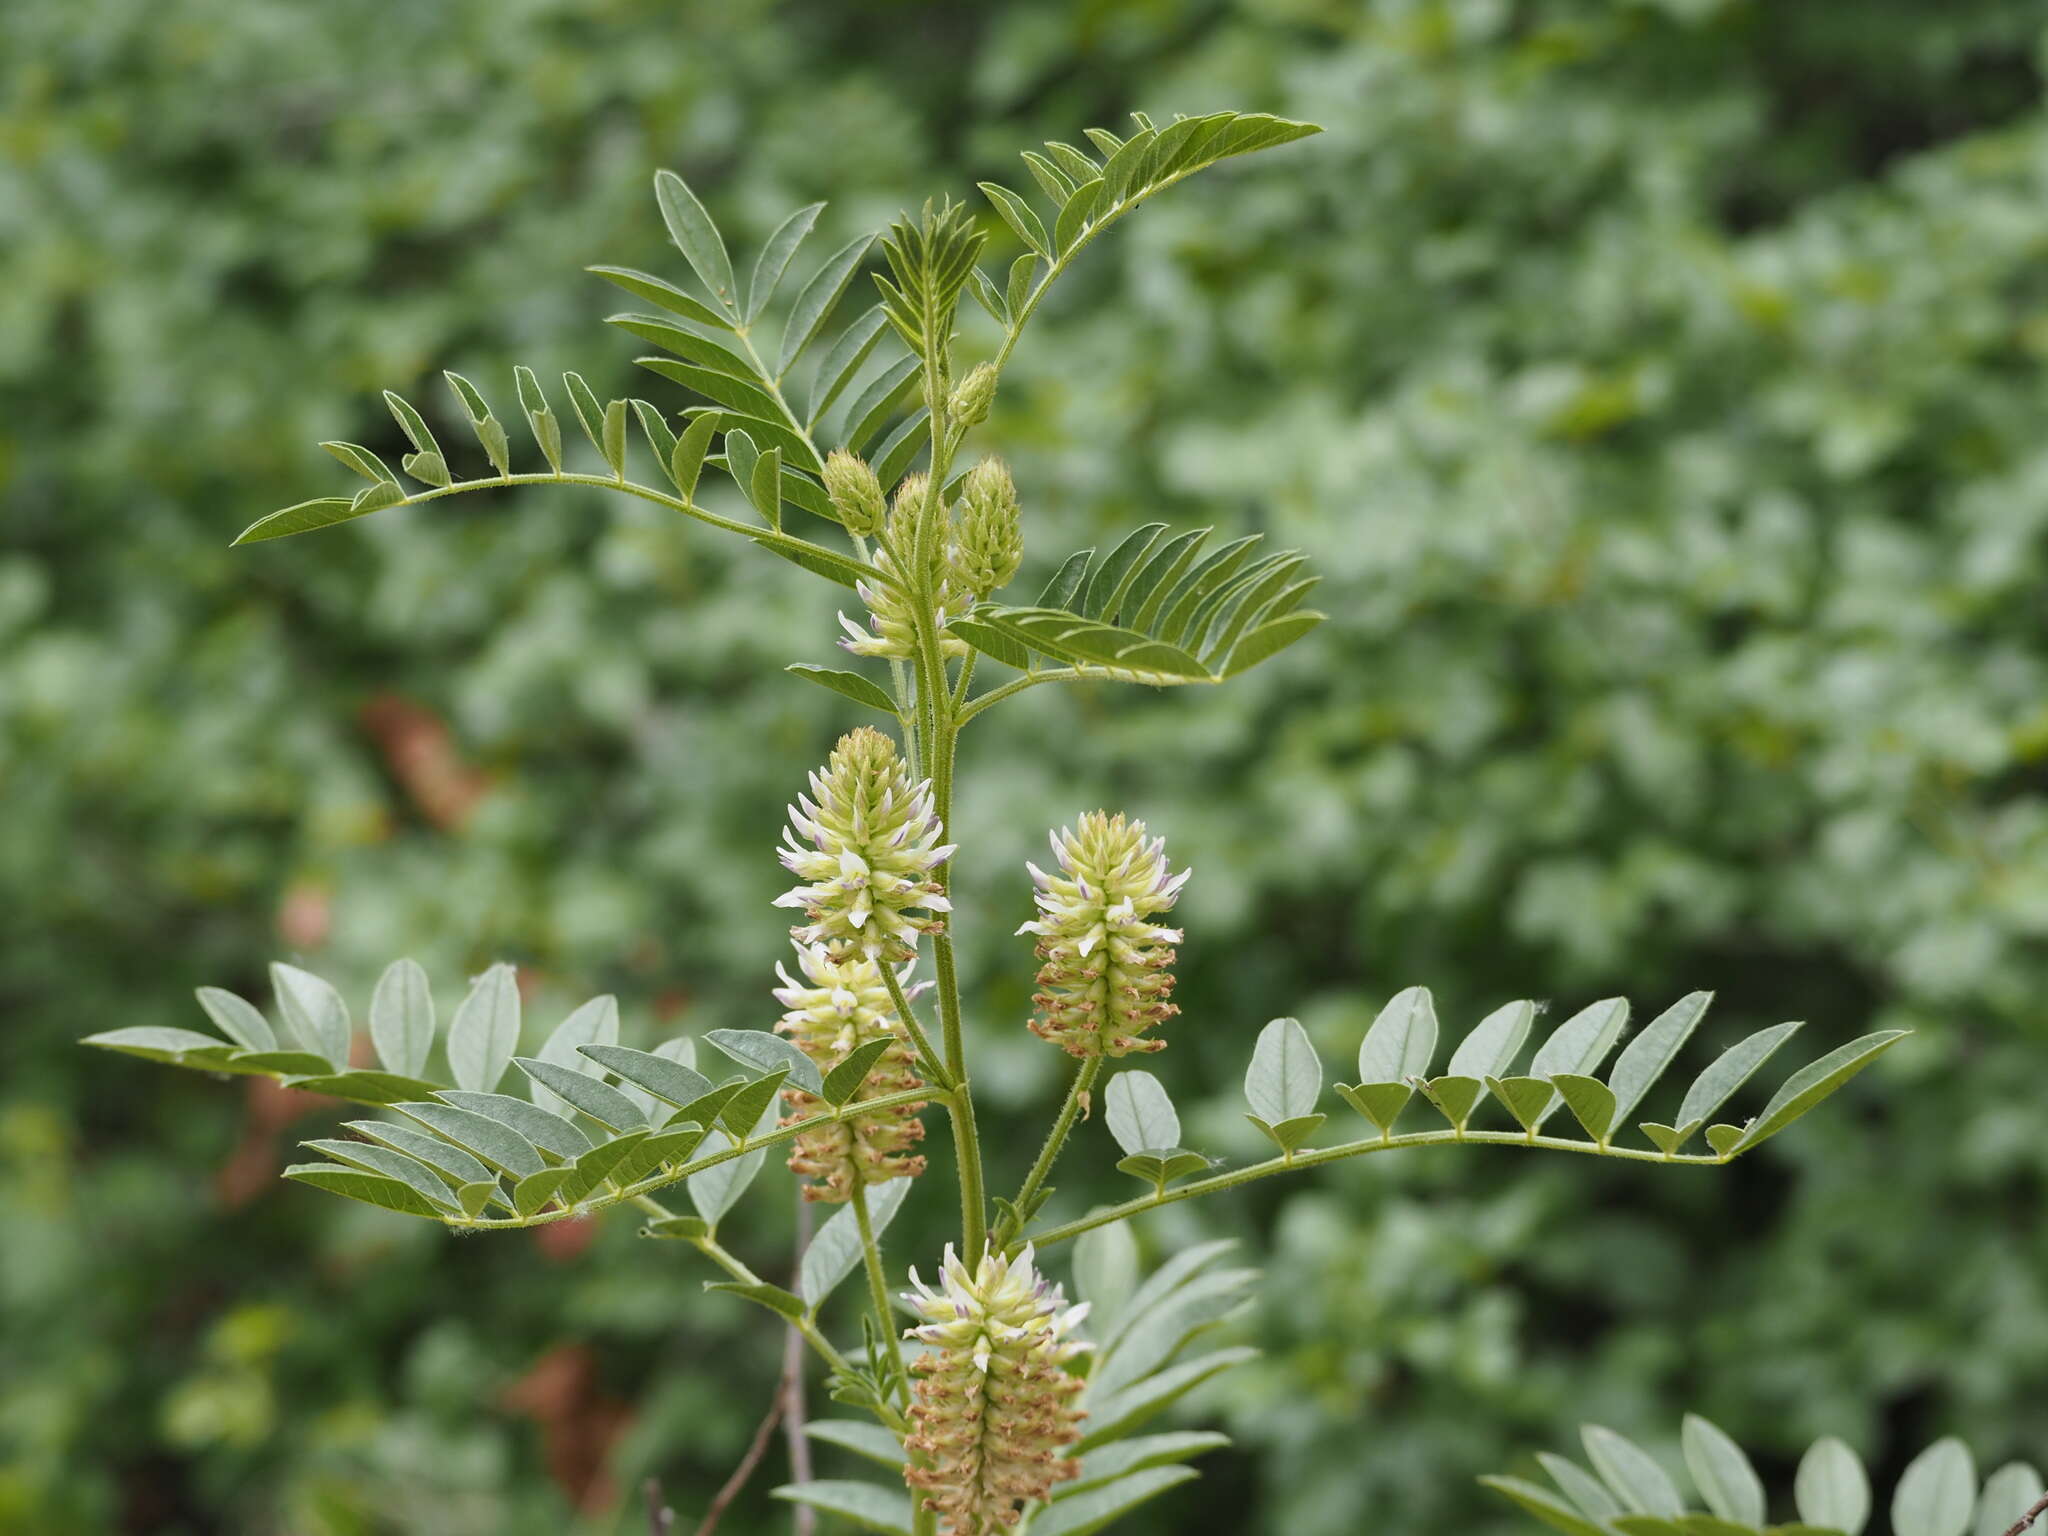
(731, 1263)
(1018, 684)
(878, 1285)
(1321, 1155)
(934, 1068)
(1077, 1094)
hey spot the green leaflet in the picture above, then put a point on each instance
(850, 685)
(402, 1018)
(867, 1506)
(1140, 1114)
(485, 1030)
(1092, 1508)
(834, 1252)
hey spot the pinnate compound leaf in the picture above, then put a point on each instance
(1721, 1471)
(1937, 1493)
(1811, 1084)
(867, 1506)
(1140, 1114)
(485, 1030)
(402, 1019)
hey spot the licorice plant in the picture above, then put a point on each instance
(996, 1402)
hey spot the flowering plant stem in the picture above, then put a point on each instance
(1077, 1094)
(878, 1284)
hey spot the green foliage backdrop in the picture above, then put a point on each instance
(1660, 388)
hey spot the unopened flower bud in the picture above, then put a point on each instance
(855, 493)
(841, 1005)
(891, 631)
(972, 395)
(874, 841)
(988, 545)
(993, 1406)
(1105, 980)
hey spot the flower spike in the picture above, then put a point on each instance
(1105, 980)
(841, 1005)
(873, 842)
(994, 1400)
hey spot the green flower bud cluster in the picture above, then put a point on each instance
(973, 396)
(891, 632)
(840, 1005)
(994, 1403)
(988, 545)
(1105, 979)
(855, 493)
(873, 841)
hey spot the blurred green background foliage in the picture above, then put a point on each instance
(1658, 386)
